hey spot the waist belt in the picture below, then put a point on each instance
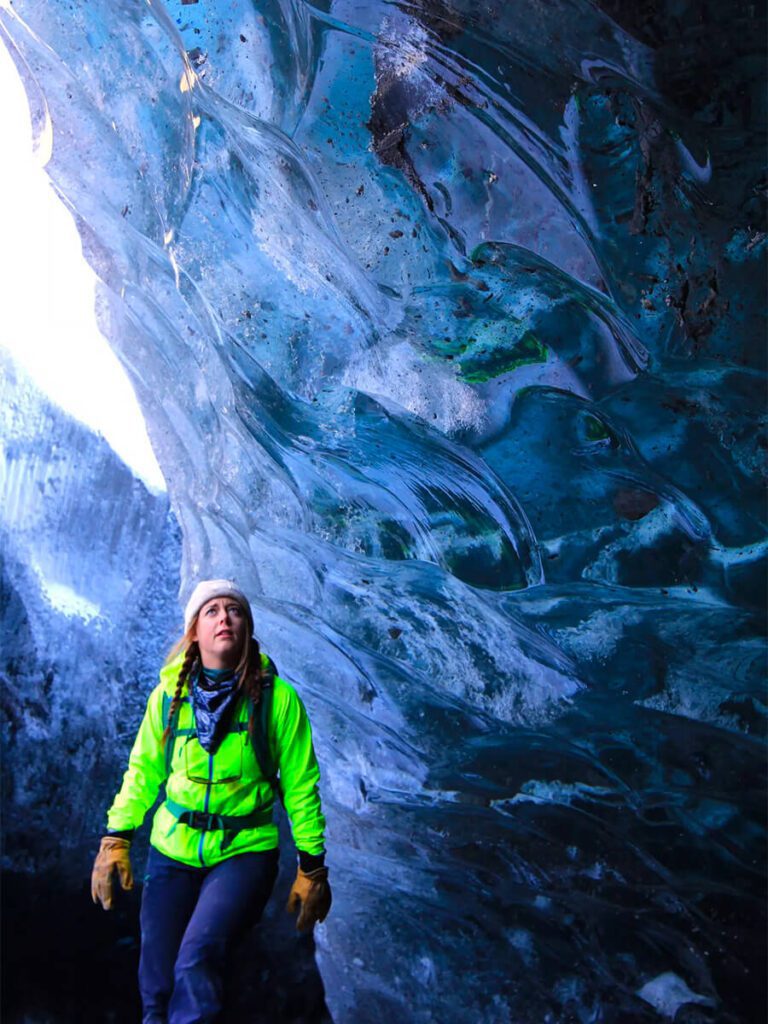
(207, 822)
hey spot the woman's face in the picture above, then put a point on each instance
(220, 632)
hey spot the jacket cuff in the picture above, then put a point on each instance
(311, 861)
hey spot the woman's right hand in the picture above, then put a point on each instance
(114, 852)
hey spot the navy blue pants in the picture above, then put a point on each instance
(190, 917)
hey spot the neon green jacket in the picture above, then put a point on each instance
(229, 782)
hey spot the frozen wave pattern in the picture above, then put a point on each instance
(445, 322)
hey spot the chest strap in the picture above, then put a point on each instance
(204, 821)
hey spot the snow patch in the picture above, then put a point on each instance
(67, 601)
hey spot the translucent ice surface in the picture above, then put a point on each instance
(88, 569)
(446, 319)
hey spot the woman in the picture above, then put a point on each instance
(224, 733)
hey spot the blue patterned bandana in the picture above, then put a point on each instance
(214, 695)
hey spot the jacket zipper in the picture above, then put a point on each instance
(205, 808)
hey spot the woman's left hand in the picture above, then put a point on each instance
(312, 894)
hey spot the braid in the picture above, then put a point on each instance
(186, 668)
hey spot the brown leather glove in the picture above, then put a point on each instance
(113, 853)
(312, 893)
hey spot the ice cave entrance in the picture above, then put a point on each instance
(47, 295)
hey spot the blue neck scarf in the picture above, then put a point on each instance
(214, 694)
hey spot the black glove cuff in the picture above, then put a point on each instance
(126, 833)
(311, 861)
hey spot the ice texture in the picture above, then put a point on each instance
(447, 322)
(668, 993)
(89, 562)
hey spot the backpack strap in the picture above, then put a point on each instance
(261, 734)
(170, 742)
(175, 730)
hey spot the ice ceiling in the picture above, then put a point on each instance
(446, 319)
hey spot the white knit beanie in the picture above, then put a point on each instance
(206, 590)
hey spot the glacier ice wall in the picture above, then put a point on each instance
(447, 322)
(88, 571)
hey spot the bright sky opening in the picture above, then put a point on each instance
(47, 319)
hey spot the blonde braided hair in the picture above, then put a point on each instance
(191, 657)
